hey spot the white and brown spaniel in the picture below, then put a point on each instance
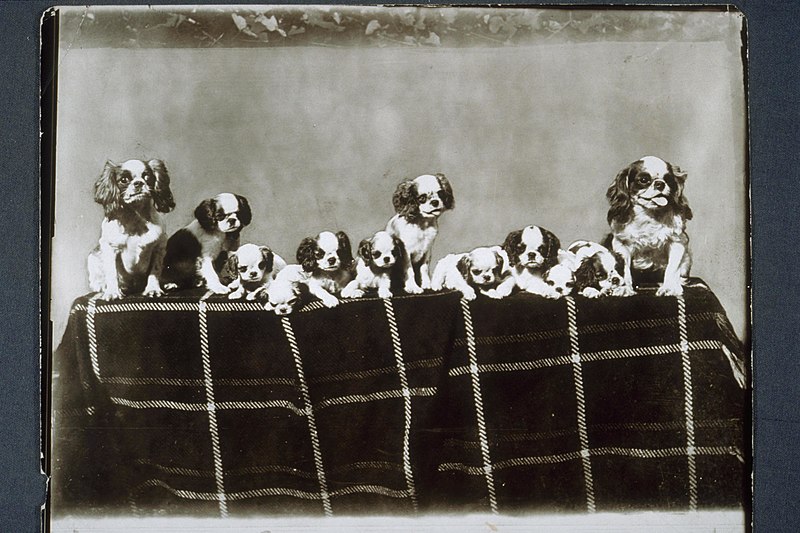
(419, 203)
(128, 258)
(478, 271)
(532, 252)
(327, 261)
(379, 266)
(648, 216)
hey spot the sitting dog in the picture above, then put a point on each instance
(194, 251)
(531, 252)
(597, 270)
(379, 266)
(419, 203)
(482, 269)
(255, 268)
(327, 259)
(128, 258)
(648, 216)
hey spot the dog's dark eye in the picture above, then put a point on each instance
(551, 282)
(476, 272)
(376, 255)
(262, 265)
(422, 198)
(242, 269)
(319, 254)
(569, 284)
(643, 179)
(124, 178)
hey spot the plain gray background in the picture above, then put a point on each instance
(317, 138)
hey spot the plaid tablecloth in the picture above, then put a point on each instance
(190, 404)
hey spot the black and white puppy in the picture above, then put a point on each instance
(255, 267)
(561, 276)
(531, 251)
(648, 216)
(598, 271)
(419, 203)
(128, 258)
(481, 270)
(287, 290)
(196, 252)
(379, 266)
(327, 259)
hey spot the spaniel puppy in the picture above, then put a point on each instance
(648, 216)
(255, 267)
(128, 258)
(285, 292)
(531, 251)
(419, 203)
(597, 270)
(561, 276)
(482, 269)
(328, 261)
(192, 251)
(379, 266)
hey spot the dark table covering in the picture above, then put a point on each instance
(191, 404)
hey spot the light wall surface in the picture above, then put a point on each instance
(318, 137)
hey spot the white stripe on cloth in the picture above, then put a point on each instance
(212, 411)
(575, 352)
(309, 410)
(91, 331)
(476, 392)
(688, 398)
(401, 371)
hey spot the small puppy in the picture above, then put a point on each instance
(285, 292)
(419, 203)
(560, 277)
(648, 216)
(195, 252)
(128, 258)
(379, 266)
(482, 269)
(255, 268)
(328, 261)
(531, 251)
(597, 270)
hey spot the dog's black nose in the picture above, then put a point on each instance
(331, 260)
(138, 185)
(659, 185)
(615, 281)
(386, 259)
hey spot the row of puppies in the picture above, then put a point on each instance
(647, 217)
(529, 260)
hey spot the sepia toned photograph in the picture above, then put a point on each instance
(326, 267)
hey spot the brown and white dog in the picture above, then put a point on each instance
(648, 216)
(128, 258)
(419, 203)
(379, 266)
(194, 252)
(254, 268)
(598, 271)
(481, 270)
(532, 252)
(327, 261)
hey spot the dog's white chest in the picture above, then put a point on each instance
(134, 253)
(528, 281)
(417, 240)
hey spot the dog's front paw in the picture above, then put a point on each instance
(352, 292)
(670, 289)
(384, 293)
(170, 286)
(111, 293)
(551, 294)
(590, 292)
(413, 288)
(492, 293)
(468, 293)
(153, 290)
(329, 300)
(426, 284)
(235, 295)
(623, 290)
(218, 288)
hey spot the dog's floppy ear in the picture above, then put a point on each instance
(680, 200)
(447, 191)
(306, 254)
(345, 252)
(268, 256)
(619, 196)
(586, 274)
(404, 199)
(510, 246)
(619, 262)
(106, 192)
(365, 250)
(229, 270)
(162, 194)
(245, 215)
(463, 266)
(552, 246)
(499, 264)
(206, 214)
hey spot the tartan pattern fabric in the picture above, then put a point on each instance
(429, 403)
